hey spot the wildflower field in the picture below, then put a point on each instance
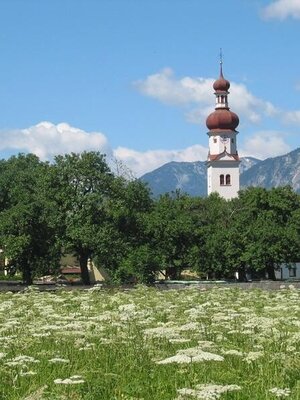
(150, 344)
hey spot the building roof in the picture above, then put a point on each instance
(214, 157)
(221, 84)
(222, 119)
(70, 270)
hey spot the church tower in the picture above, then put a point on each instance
(223, 161)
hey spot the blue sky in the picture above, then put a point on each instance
(133, 78)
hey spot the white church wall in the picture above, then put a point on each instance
(218, 143)
(224, 168)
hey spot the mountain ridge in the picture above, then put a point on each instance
(191, 177)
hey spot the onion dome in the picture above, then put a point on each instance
(221, 84)
(222, 119)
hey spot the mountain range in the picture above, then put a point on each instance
(191, 177)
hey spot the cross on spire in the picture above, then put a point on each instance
(221, 62)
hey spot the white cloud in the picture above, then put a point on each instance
(261, 145)
(142, 162)
(164, 87)
(198, 115)
(265, 144)
(46, 140)
(196, 96)
(291, 117)
(247, 105)
(282, 9)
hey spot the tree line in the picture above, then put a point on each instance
(76, 205)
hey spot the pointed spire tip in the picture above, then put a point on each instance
(221, 63)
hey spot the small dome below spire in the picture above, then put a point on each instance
(221, 84)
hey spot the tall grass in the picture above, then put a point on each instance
(151, 345)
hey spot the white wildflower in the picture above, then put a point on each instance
(179, 359)
(187, 392)
(96, 288)
(233, 352)
(87, 346)
(209, 391)
(193, 354)
(106, 341)
(20, 360)
(280, 392)
(220, 337)
(27, 373)
(37, 395)
(253, 356)
(179, 340)
(73, 380)
(43, 334)
(162, 332)
(59, 360)
(205, 344)
(291, 349)
(127, 307)
(191, 326)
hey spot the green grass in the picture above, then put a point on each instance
(116, 342)
(10, 277)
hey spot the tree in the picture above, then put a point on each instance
(123, 237)
(81, 185)
(139, 265)
(264, 222)
(27, 232)
(210, 226)
(169, 229)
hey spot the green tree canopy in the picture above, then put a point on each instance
(81, 185)
(27, 233)
(170, 231)
(265, 224)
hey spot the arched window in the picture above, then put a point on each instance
(221, 179)
(228, 179)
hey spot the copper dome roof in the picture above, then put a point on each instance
(222, 119)
(221, 84)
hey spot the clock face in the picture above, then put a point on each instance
(224, 139)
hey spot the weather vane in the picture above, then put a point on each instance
(221, 56)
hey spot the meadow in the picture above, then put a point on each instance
(148, 344)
